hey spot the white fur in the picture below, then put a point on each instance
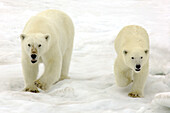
(55, 32)
(132, 41)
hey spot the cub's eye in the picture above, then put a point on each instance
(141, 57)
(39, 45)
(29, 45)
(132, 57)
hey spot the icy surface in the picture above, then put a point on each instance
(91, 88)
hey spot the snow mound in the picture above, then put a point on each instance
(162, 99)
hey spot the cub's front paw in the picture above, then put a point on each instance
(31, 89)
(135, 95)
(40, 84)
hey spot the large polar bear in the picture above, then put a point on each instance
(132, 62)
(47, 38)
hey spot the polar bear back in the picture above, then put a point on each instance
(60, 19)
(131, 36)
(62, 23)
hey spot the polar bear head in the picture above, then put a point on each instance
(135, 58)
(35, 45)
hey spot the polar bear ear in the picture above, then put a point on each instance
(47, 37)
(146, 51)
(22, 36)
(125, 52)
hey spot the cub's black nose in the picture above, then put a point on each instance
(33, 56)
(138, 66)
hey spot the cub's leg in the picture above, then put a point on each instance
(51, 74)
(123, 77)
(66, 64)
(30, 72)
(139, 83)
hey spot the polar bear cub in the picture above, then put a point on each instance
(132, 62)
(47, 38)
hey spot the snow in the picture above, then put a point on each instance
(92, 87)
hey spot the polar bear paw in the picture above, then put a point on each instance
(40, 84)
(64, 77)
(135, 95)
(33, 89)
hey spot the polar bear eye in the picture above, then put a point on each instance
(125, 52)
(39, 45)
(132, 57)
(146, 51)
(141, 57)
(29, 45)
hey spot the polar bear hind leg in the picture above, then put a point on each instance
(66, 64)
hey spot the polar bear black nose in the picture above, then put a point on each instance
(138, 66)
(33, 56)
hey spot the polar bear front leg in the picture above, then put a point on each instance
(30, 72)
(139, 83)
(51, 74)
(123, 77)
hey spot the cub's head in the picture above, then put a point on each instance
(35, 45)
(136, 59)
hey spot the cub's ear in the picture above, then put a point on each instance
(22, 36)
(125, 52)
(47, 37)
(146, 51)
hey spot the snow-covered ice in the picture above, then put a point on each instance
(91, 88)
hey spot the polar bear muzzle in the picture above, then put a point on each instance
(138, 66)
(33, 56)
(33, 61)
